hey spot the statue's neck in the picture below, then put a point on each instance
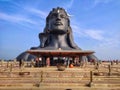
(58, 40)
(58, 37)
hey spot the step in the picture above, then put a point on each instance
(16, 85)
(106, 85)
(64, 84)
(59, 88)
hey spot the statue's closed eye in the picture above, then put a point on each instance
(62, 16)
(55, 15)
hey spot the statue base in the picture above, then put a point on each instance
(60, 53)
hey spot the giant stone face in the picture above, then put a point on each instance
(58, 22)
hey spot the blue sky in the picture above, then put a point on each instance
(95, 25)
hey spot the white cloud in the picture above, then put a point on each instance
(107, 53)
(107, 45)
(97, 2)
(77, 30)
(89, 33)
(37, 12)
(94, 34)
(68, 5)
(108, 49)
(110, 42)
(5, 0)
(15, 18)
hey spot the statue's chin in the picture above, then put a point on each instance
(58, 31)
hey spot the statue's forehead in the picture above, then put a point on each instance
(58, 11)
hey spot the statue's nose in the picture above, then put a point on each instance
(58, 17)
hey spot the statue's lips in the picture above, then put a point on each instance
(58, 23)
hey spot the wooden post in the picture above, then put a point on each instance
(100, 62)
(32, 63)
(109, 68)
(2, 61)
(97, 65)
(41, 76)
(14, 62)
(7, 64)
(91, 76)
(91, 79)
(117, 62)
(11, 67)
(112, 62)
(22, 64)
(41, 79)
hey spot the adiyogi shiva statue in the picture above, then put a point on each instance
(56, 34)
